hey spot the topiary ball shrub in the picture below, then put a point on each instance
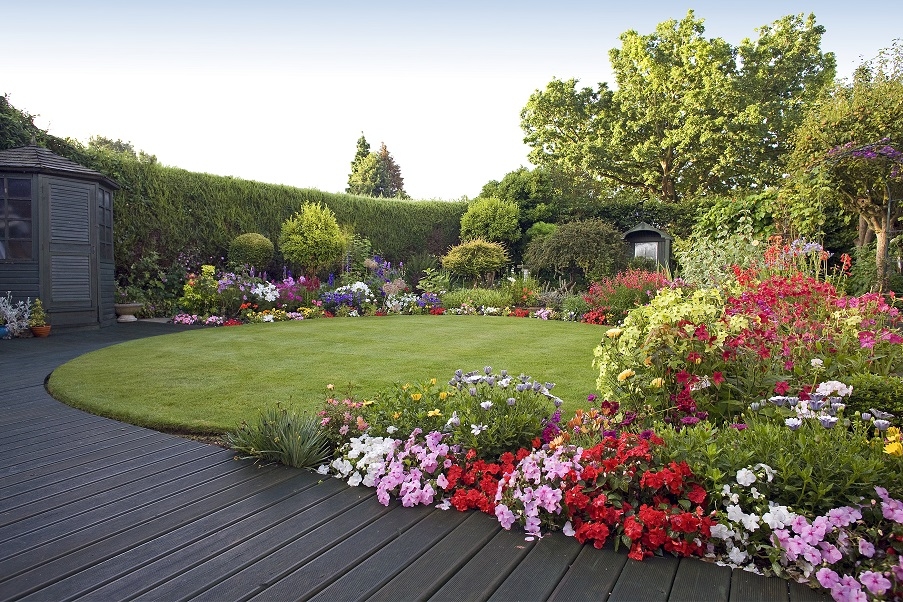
(312, 240)
(251, 249)
(476, 259)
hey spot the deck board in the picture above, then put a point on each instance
(94, 509)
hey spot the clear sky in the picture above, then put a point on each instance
(280, 91)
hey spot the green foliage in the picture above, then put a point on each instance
(685, 118)
(280, 435)
(522, 292)
(416, 266)
(539, 230)
(512, 413)
(574, 305)
(849, 147)
(492, 220)
(477, 259)
(589, 249)
(884, 393)
(817, 469)
(311, 239)
(252, 250)
(375, 174)
(476, 297)
(435, 280)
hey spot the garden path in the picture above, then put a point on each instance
(94, 509)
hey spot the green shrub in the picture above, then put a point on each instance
(522, 292)
(883, 393)
(476, 259)
(574, 306)
(491, 219)
(476, 297)
(311, 239)
(590, 249)
(816, 468)
(490, 413)
(252, 250)
(279, 435)
(539, 230)
(434, 280)
(415, 268)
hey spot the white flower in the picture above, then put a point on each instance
(486, 404)
(778, 517)
(568, 529)
(755, 493)
(769, 471)
(737, 556)
(721, 531)
(355, 479)
(816, 362)
(832, 386)
(751, 522)
(735, 513)
(391, 429)
(323, 469)
(476, 429)
(746, 477)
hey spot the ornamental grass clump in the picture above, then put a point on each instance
(281, 435)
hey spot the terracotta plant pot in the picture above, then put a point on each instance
(41, 331)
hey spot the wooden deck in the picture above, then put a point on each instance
(93, 509)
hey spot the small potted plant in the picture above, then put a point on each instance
(37, 321)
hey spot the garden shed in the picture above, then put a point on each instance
(648, 241)
(56, 236)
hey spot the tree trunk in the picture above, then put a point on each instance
(866, 234)
(881, 257)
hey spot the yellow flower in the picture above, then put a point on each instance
(443, 395)
(367, 402)
(416, 396)
(894, 449)
(893, 434)
(613, 333)
(396, 415)
(658, 382)
(405, 386)
(432, 381)
(625, 375)
(330, 386)
(434, 412)
(648, 361)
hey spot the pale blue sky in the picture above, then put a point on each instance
(280, 91)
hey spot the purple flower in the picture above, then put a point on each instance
(739, 426)
(827, 578)
(505, 516)
(866, 548)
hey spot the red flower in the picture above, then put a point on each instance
(717, 378)
(781, 387)
(697, 494)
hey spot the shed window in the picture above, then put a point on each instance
(105, 223)
(15, 218)
(646, 249)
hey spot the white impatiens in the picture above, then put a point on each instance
(833, 387)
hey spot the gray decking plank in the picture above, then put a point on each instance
(698, 580)
(280, 562)
(799, 592)
(96, 545)
(137, 572)
(749, 587)
(220, 522)
(336, 514)
(487, 570)
(592, 576)
(537, 576)
(649, 580)
(314, 576)
(369, 576)
(422, 578)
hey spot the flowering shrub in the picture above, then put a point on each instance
(712, 350)
(613, 297)
(412, 304)
(340, 419)
(354, 296)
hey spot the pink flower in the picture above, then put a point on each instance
(848, 590)
(875, 582)
(827, 578)
(866, 548)
(829, 552)
(505, 516)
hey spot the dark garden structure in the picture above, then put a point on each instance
(648, 241)
(56, 236)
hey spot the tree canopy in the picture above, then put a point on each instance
(850, 146)
(375, 174)
(690, 115)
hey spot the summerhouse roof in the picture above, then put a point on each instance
(37, 159)
(644, 227)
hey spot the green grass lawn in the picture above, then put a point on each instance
(208, 381)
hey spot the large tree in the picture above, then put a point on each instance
(375, 174)
(850, 145)
(685, 118)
